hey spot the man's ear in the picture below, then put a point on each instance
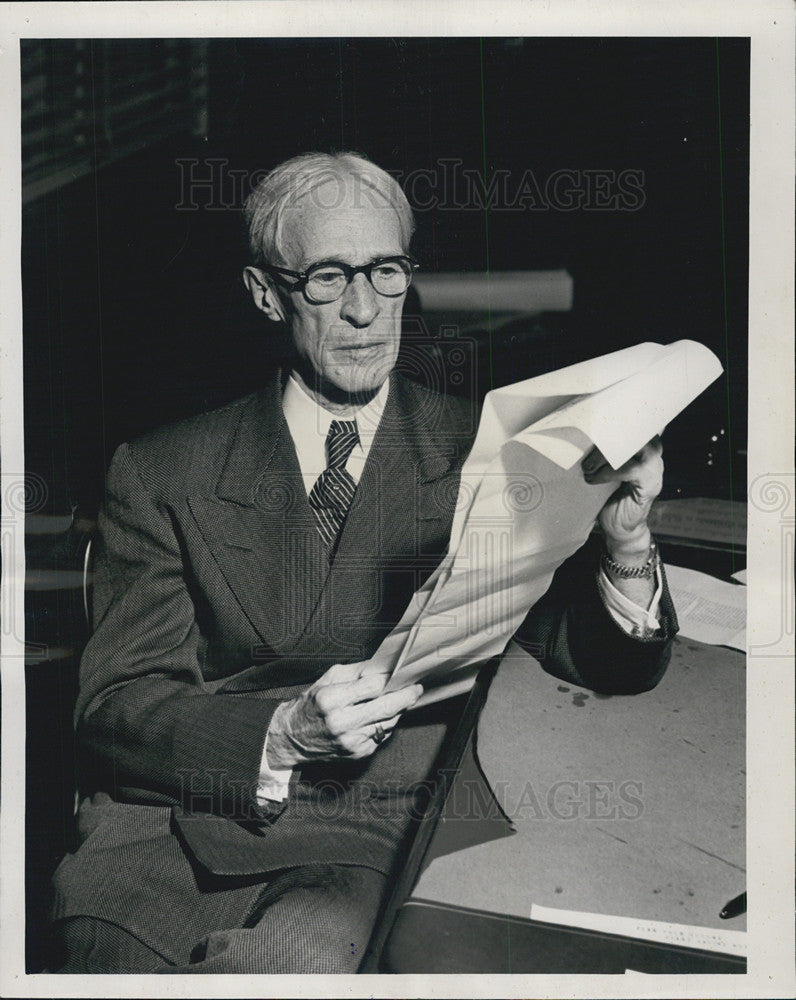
(264, 293)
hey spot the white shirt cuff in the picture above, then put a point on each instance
(631, 617)
(272, 786)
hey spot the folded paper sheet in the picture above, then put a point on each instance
(524, 507)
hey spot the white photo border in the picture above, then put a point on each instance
(770, 791)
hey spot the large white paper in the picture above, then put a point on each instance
(524, 507)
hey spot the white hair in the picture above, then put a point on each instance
(295, 179)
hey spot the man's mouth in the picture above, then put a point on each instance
(359, 346)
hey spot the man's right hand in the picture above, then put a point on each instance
(336, 717)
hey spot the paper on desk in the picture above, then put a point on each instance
(684, 935)
(708, 609)
(524, 507)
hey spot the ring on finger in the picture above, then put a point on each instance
(378, 735)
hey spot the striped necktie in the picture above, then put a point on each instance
(333, 491)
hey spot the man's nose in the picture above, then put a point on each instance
(359, 304)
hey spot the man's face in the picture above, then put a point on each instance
(348, 346)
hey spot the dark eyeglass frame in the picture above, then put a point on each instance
(349, 270)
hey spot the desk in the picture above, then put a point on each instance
(626, 805)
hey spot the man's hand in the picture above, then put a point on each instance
(336, 717)
(623, 519)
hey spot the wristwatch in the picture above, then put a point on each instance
(644, 572)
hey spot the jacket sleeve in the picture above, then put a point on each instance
(575, 638)
(149, 726)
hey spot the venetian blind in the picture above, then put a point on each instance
(89, 102)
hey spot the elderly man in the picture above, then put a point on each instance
(247, 788)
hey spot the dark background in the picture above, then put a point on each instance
(134, 311)
(135, 314)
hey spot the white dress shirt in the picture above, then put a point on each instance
(309, 423)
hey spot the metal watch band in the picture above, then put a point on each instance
(643, 572)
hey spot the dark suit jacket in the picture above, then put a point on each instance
(214, 601)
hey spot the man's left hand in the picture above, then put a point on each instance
(623, 519)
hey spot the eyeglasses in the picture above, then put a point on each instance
(327, 281)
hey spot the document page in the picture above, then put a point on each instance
(708, 609)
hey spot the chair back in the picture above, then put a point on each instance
(88, 581)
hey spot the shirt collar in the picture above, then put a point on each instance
(305, 416)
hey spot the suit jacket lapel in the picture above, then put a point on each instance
(402, 490)
(260, 528)
(262, 532)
